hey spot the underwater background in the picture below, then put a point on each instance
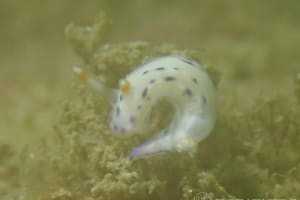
(54, 139)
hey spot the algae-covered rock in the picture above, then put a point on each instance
(252, 153)
(9, 171)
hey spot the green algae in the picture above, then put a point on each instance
(252, 153)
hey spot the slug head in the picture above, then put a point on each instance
(128, 114)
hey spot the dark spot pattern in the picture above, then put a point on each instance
(188, 60)
(132, 119)
(165, 132)
(160, 68)
(117, 111)
(145, 72)
(170, 78)
(145, 92)
(176, 68)
(152, 81)
(121, 97)
(195, 81)
(115, 127)
(187, 92)
(204, 100)
(139, 107)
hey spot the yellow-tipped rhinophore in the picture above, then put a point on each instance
(83, 74)
(125, 86)
(94, 83)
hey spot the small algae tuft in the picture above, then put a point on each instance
(86, 39)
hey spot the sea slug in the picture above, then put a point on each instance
(181, 81)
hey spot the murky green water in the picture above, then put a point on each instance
(54, 141)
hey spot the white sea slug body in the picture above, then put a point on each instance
(183, 83)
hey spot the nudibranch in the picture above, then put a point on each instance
(182, 82)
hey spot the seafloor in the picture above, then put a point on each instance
(54, 140)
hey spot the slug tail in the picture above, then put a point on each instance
(157, 145)
(144, 151)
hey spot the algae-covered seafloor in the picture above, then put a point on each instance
(54, 140)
